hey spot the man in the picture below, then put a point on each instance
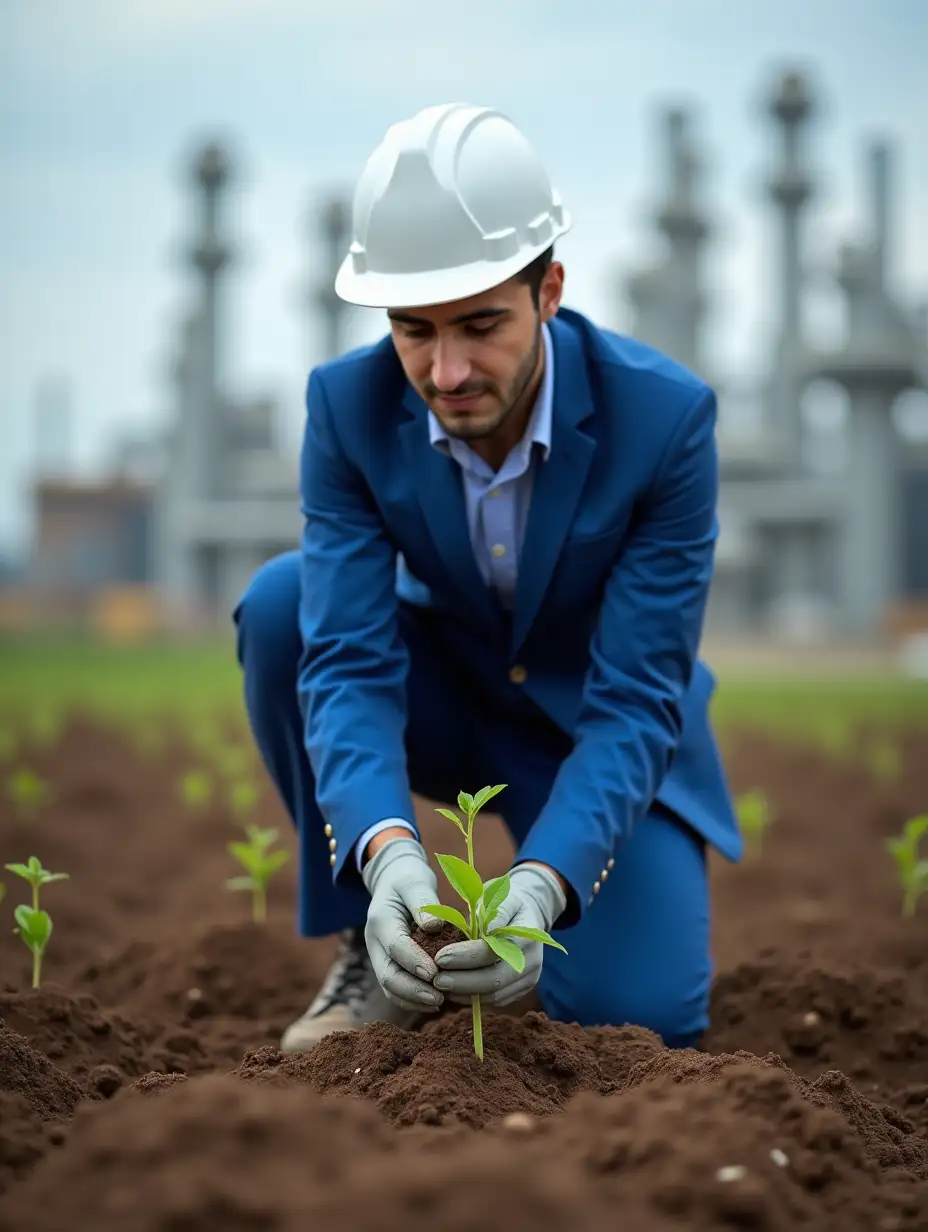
(510, 519)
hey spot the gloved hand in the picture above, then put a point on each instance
(469, 968)
(401, 883)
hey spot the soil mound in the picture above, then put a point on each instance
(767, 1087)
(102, 1049)
(431, 1077)
(871, 1025)
(217, 1152)
(36, 1098)
(261, 974)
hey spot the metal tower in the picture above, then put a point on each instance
(209, 256)
(877, 362)
(335, 218)
(668, 300)
(790, 189)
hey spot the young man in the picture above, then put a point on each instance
(510, 519)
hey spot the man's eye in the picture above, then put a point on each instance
(481, 331)
(413, 333)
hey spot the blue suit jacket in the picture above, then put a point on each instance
(612, 589)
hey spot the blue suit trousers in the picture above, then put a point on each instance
(641, 953)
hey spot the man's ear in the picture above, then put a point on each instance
(551, 291)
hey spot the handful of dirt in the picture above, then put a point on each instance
(433, 942)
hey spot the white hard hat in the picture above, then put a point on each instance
(452, 202)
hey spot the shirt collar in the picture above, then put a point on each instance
(538, 430)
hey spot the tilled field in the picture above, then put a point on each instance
(141, 1089)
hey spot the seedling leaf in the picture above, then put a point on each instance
(35, 927)
(465, 879)
(508, 951)
(530, 934)
(241, 883)
(450, 915)
(276, 860)
(452, 817)
(466, 802)
(487, 793)
(495, 893)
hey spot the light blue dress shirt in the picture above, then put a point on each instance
(497, 509)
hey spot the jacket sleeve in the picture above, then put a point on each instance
(353, 668)
(642, 656)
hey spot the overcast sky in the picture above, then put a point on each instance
(101, 102)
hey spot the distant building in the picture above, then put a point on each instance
(91, 539)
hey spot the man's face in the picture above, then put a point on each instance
(475, 361)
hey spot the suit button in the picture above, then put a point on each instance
(332, 859)
(332, 844)
(518, 674)
(604, 874)
(327, 830)
(595, 887)
(610, 864)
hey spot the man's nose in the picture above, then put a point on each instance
(450, 366)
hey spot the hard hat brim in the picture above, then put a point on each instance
(420, 290)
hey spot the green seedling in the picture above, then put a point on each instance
(260, 864)
(912, 871)
(754, 818)
(885, 763)
(243, 797)
(33, 924)
(28, 792)
(483, 901)
(196, 789)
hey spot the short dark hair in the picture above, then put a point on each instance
(534, 272)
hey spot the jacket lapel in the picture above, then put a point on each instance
(559, 481)
(439, 488)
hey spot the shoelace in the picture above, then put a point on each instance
(349, 979)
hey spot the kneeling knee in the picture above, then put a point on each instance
(267, 617)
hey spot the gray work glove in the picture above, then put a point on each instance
(401, 883)
(469, 968)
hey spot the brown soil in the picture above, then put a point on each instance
(141, 1086)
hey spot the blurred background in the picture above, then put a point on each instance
(749, 184)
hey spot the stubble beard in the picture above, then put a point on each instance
(514, 402)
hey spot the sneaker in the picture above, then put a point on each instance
(349, 997)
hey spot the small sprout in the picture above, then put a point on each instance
(28, 792)
(754, 818)
(196, 789)
(34, 926)
(260, 864)
(912, 871)
(243, 796)
(885, 762)
(483, 901)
